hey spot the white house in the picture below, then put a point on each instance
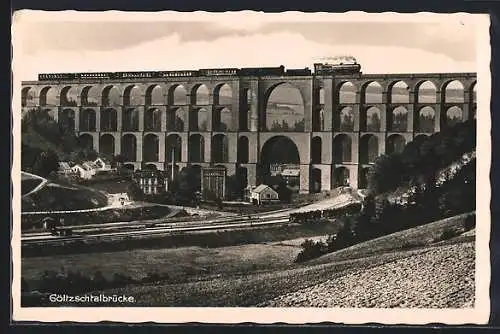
(102, 164)
(263, 194)
(84, 171)
(64, 168)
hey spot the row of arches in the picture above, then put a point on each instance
(370, 120)
(397, 120)
(174, 119)
(131, 95)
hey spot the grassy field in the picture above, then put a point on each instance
(243, 275)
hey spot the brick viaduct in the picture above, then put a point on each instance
(348, 120)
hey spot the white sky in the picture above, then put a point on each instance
(382, 43)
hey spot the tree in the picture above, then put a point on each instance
(134, 192)
(46, 163)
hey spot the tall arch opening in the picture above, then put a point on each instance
(346, 93)
(342, 148)
(220, 149)
(318, 120)
(223, 95)
(395, 144)
(363, 177)
(200, 95)
(177, 95)
(245, 106)
(221, 119)
(454, 115)
(371, 119)
(107, 145)
(173, 148)
(111, 96)
(316, 147)
(426, 92)
(426, 120)
(86, 142)
(372, 93)
(150, 148)
(196, 147)
(198, 119)
(400, 93)
(89, 96)
(152, 120)
(368, 149)
(129, 147)
(315, 185)
(341, 177)
(130, 120)
(132, 96)
(88, 120)
(66, 120)
(399, 119)
(278, 154)
(27, 97)
(285, 109)
(48, 97)
(109, 120)
(175, 119)
(454, 92)
(69, 97)
(344, 120)
(243, 150)
(154, 96)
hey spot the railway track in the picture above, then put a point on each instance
(159, 229)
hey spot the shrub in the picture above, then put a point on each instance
(310, 250)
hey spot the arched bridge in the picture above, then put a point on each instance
(330, 126)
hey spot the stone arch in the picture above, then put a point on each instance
(130, 120)
(341, 177)
(109, 120)
(150, 148)
(200, 95)
(69, 97)
(198, 119)
(342, 148)
(196, 146)
(89, 96)
(243, 150)
(110, 96)
(321, 96)
(152, 120)
(363, 177)
(420, 138)
(220, 149)
(425, 92)
(372, 93)
(66, 120)
(173, 148)
(154, 95)
(87, 120)
(129, 147)
(86, 142)
(280, 149)
(316, 150)
(395, 144)
(344, 119)
(132, 96)
(368, 149)
(221, 119)
(315, 184)
(150, 167)
(48, 97)
(398, 121)
(454, 115)
(175, 119)
(27, 97)
(107, 145)
(318, 120)
(223, 95)
(399, 92)
(346, 93)
(371, 119)
(177, 95)
(285, 109)
(129, 166)
(453, 92)
(426, 120)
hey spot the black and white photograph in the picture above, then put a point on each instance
(251, 167)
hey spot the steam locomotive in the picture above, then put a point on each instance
(312, 216)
